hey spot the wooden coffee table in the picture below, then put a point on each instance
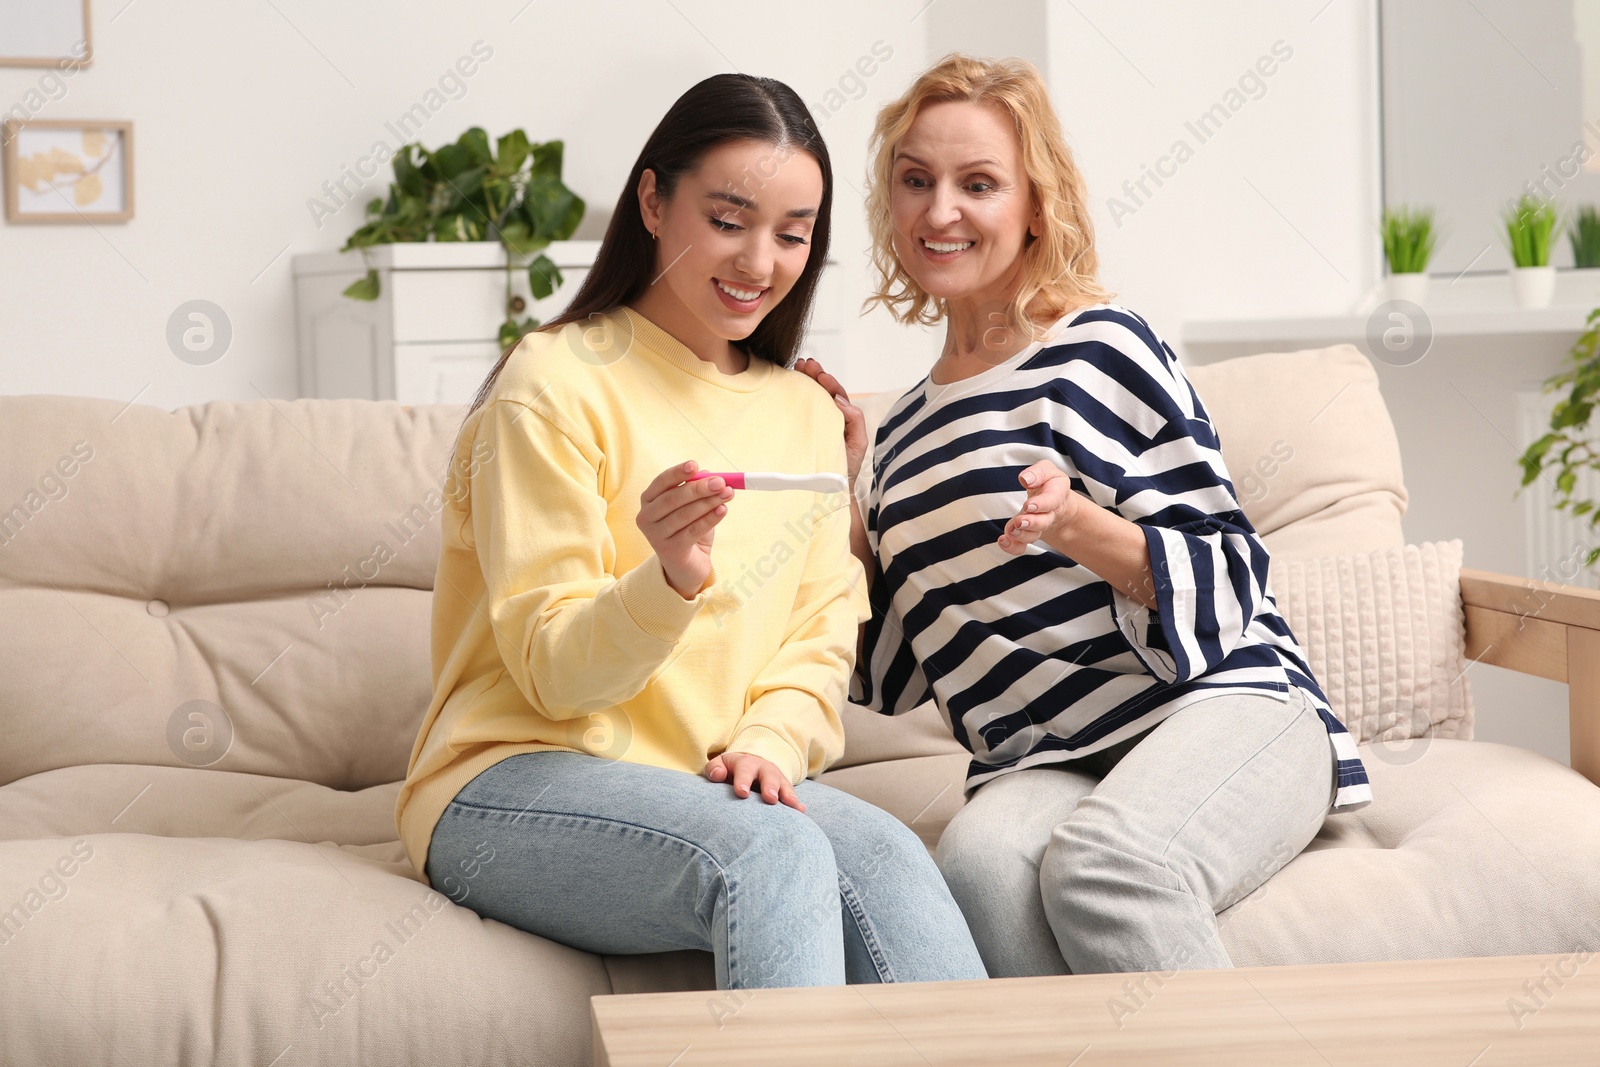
(1476, 1012)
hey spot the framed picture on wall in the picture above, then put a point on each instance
(68, 170)
(44, 33)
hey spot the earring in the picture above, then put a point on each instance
(654, 236)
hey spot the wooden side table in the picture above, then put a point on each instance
(1476, 1012)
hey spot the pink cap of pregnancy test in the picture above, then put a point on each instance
(734, 479)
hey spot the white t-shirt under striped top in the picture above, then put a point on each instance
(1033, 658)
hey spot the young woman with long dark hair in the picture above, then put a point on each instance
(623, 652)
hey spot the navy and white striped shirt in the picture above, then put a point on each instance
(1033, 658)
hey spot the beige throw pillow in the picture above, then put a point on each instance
(1385, 635)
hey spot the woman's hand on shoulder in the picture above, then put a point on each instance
(679, 518)
(743, 769)
(855, 423)
(1050, 507)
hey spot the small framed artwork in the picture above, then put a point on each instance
(68, 170)
(44, 33)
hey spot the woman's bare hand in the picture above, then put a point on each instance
(1050, 507)
(679, 517)
(855, 423)
(743, 769)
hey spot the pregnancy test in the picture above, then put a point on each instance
(826, 482)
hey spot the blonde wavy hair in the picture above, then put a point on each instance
(1060, 264)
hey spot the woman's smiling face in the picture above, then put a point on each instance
(960, 201)
(735, 235)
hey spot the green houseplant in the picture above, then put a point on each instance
(1408, 239)
(1571, 446)
(468, 191)
(1585, 237)
(1531, 226)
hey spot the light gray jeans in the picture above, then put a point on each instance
(1120, 860)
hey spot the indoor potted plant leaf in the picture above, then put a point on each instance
(1584, 235)
(1571, 446)
(510, 192)
(1531, 226)
(1408, 240)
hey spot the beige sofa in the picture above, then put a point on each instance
(214, 656)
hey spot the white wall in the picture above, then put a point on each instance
(242, 113)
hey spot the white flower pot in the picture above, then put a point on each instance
(1412, 287)
(1533, 286)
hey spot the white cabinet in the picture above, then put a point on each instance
(429, 338)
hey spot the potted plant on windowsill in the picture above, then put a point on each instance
(467, 191)
(1408, 238)
(1531, 227)
(1584, 236)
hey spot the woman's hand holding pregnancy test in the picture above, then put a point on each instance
(678, 515)
(825, 482)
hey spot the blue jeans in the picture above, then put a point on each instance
(614, 857)
(1120, 860)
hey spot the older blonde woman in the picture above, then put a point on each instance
(1059, 560)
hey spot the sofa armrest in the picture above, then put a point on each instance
(1543, 628)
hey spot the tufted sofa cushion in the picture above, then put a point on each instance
(273, 559)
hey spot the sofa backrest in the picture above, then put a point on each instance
(274, 559)
(247, 586)
(1311, 449)
(1308, 442)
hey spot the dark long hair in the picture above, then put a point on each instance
(723, 108)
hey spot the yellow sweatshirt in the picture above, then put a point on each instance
(553, 624)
